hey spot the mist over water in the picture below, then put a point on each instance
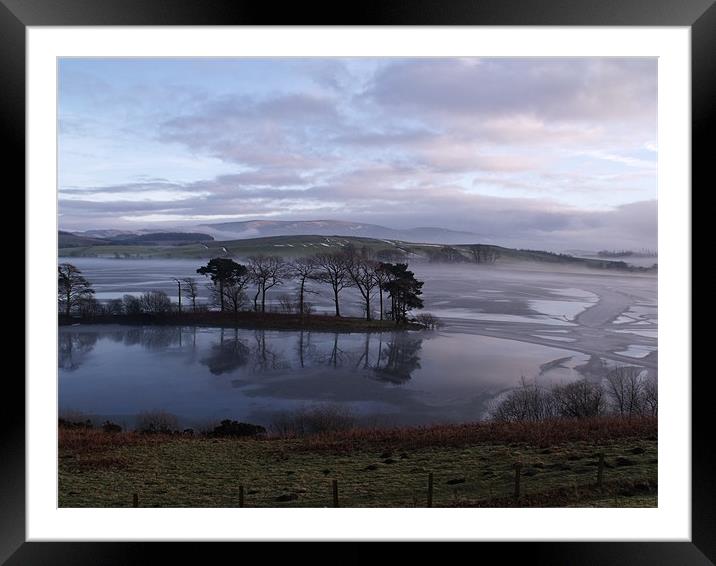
(500, 323)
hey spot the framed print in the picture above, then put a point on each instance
(392, 278)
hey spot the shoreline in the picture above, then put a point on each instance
(248, 320)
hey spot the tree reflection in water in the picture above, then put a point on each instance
(228, 354)
(390, 357)
(398, 359)
(73, 348)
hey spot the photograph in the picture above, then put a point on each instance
(384, 282)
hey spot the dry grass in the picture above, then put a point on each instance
(541, 434)
(472, 466)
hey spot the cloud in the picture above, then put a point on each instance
(520, 151)
(563, 89)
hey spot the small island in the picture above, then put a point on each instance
(394, 288)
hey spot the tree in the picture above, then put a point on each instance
(382, 276)
(626, 389)
(333, 270)
(235, 293)
(579, 399)
(303, 269)
(404, 290)
(483, 253)
(222, 271)
(132, 305)
(191, 291)
(72, 287)
(363, 275)
(529, 402)
(155, 302)
(266, 272)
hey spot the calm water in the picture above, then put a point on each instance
(206, 374)
(499, 324)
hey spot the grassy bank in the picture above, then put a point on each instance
(472, 465)
(250, 320)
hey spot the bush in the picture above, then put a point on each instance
(236, 429)
(313, 420)
(527, 403)
(155, 422)
(156, 302)
(115, 307)
(428, 320)
(131, 305)
(580, 399)
(286, 304)
(64, 423)
(111, 427)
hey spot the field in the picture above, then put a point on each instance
(472, 465)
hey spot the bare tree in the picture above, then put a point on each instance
(579, 399)
(191, 291)
(625, 387)
(333, 270)
(155, 302)
(529, 402)
(132, 305)
(363, 275)
(266, 272)
(651, 396)
(72, 287)
(303, 269)
(235, 294)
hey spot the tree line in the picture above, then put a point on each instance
(626, 391)
(235, 287)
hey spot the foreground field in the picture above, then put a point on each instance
(472, 465)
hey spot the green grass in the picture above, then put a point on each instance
(174, 471)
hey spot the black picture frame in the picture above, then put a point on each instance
(17, 15)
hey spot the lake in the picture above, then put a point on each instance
(501, 323)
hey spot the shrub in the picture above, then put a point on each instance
(111, 427)
(64, 423)
(286, 304)
(527, 403)
(313, 420)
(155, 302)
(132, 305)
(154, 422)
(428, 320)
(236, 429)
(579, 399)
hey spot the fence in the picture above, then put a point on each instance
(517, 492)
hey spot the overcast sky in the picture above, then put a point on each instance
(550, 153)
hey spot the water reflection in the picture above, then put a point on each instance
(204, 373)
(73, 349)
(227, 355)
(398, 359)
(389, 357)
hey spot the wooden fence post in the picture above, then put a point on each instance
(430, 489)
(518, 469)
(135, 500)
(241, 496)
(600, 470)
(335, 493)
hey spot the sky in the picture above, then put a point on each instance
(557, 153)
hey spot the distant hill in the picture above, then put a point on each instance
(266, 228)
(381, 249)
(118, 237)
(70, 240)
